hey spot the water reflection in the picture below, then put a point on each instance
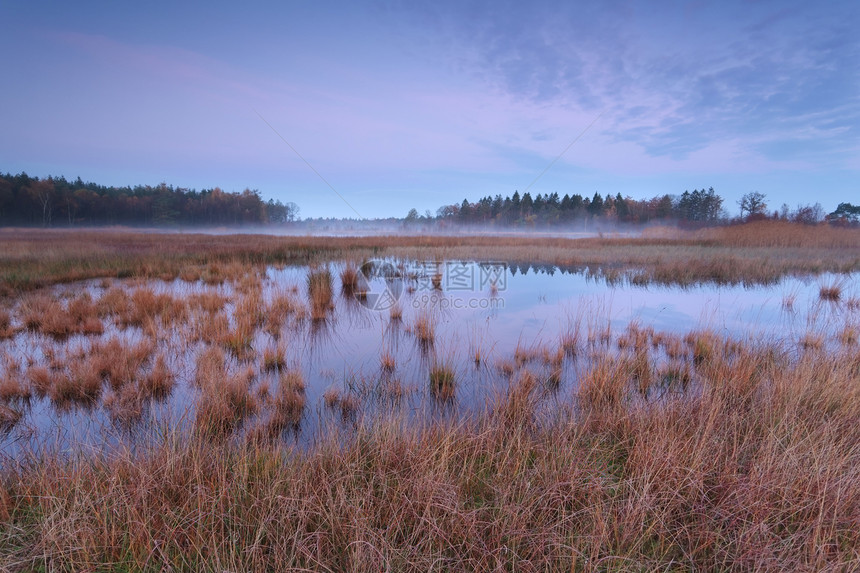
(439, 339)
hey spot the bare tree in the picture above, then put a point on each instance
(753, 203)
(43, 192)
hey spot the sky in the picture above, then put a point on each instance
(369, 109)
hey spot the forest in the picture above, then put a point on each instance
(55, 201)
(700, 207)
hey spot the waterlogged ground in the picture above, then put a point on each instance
(283, 355)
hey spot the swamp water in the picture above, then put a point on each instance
(423, 341)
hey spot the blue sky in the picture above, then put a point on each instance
(400, 106)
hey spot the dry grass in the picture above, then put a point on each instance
(424, 328)
(274, 358)
(160, 381)
(443, 384)
(395, 313)
(224, 403)
(6, 330)
(387, 362)
(13, 388)
(831, 292)
(9, 418)
(726, 456)
(350, 283)
(320, 293)
(121, 363)
(80, 386)
(41, 380)
(755, 252)
(289, 403)
(755, 470)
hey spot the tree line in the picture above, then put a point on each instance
(697, 207)
(55, 201)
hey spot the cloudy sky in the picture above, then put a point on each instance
(394, 106)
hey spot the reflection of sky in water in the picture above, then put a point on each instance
(529, 310)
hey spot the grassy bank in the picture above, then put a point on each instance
(755, 253)
(757, 468)
(599, 451)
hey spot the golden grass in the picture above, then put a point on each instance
(755, 469)
(320, 293)
(754, 252)
(274, 358)
(289, 403)
(387, 362)
(6, 330)
(159, 382)
(424, 328)
(13, 388)
(395, 313)
(831, 292)
(9, 418)
(669, 453)
(443, 384)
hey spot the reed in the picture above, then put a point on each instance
(349, 281)
(319, 287)
(289, 403)
(831, 292)
(159, 382)
(9, 418)
(442, 382)
(35, 258)
(424, 328)
(14, 389)
(719, 478)
(274, 358)
(387, 362)
(395, 312)
(6, 330)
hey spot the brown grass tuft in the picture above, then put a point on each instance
(319, 286)
(9, 418)
(6, 330)
(387, 362)
(274, 358)
(442, 382)
(160, 381)
(832, 292)
(14, 389)
(425, 328)
(289, 403)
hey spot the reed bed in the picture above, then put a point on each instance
(757, 469)
(760, 252)
(637, 451)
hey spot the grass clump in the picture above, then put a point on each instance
(442, 382)
(320, 294)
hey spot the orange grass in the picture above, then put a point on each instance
(757, 469)
(30, 258)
